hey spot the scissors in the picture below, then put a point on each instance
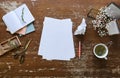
(21, 54)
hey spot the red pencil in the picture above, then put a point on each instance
(79, 50)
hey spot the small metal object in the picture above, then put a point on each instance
(21, 54)
(22, 59)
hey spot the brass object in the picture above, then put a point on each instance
(21, 53)
(9, 44)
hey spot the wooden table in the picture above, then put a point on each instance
(36, 67)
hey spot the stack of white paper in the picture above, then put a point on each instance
(57, 40)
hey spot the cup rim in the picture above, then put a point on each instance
(106, 53)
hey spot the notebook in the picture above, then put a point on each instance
(113, 11)
(113, 28)
(26, 30)
(18, 18)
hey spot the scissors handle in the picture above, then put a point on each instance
(22, 56)
(22, 59)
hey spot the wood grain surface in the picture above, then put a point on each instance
(88, 66)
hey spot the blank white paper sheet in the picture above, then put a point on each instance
(57, 40)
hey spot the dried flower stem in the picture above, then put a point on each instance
(22, 16)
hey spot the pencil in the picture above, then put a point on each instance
(79, 50)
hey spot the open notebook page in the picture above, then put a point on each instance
(24, 15)
(12, 22)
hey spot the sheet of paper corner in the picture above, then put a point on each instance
(28, 16)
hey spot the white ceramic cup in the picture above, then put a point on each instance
(103, 55)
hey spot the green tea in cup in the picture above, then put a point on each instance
(100, 50)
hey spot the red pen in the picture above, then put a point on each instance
(79, 50)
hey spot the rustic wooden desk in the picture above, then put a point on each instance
(36, 67)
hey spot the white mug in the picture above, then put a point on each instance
(100, 50)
